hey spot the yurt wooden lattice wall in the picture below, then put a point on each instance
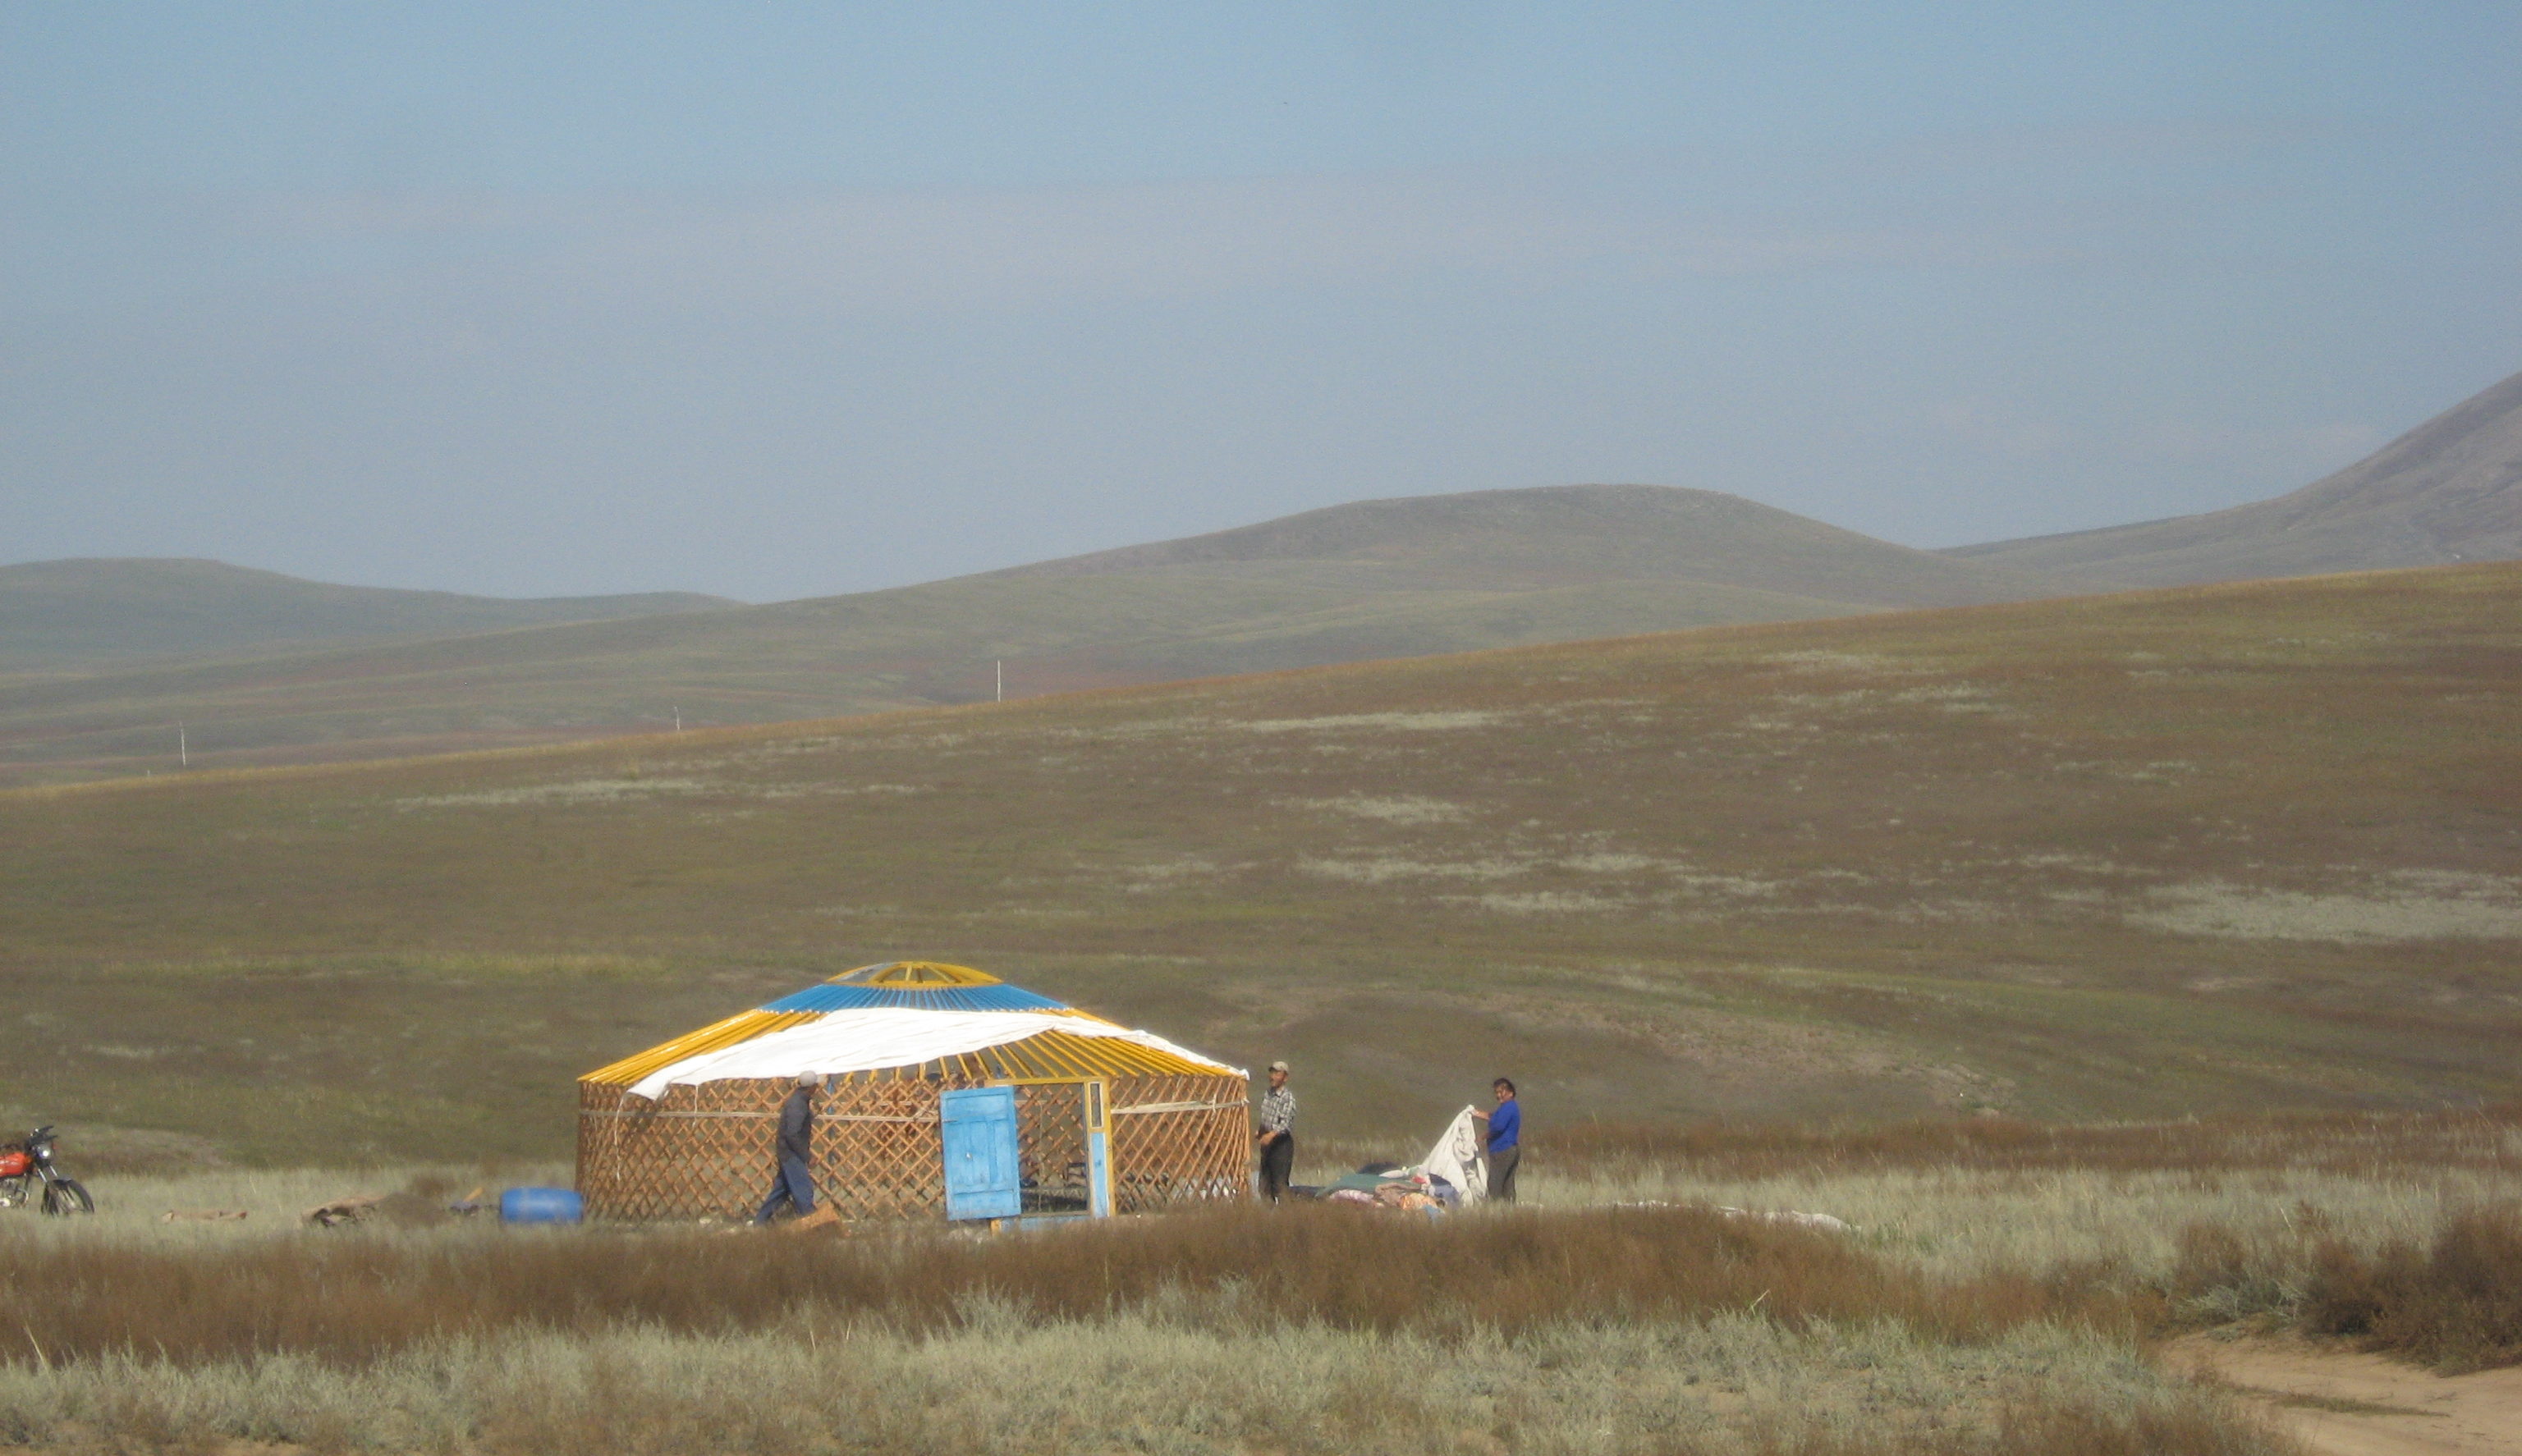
(701, 1144)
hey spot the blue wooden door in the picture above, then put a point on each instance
(980, 1135)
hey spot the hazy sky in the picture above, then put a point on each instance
(779, 301)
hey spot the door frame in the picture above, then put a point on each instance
(1096, 1095)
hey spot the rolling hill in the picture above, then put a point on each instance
(2449, 490)
(61, 616)
(2230, 846)
(1562, 537)
(1377, 579)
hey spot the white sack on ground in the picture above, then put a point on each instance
(876, 1036)
(1828, 1222)
(1458, 1160)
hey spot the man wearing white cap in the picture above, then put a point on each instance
(794, 1185)
(1278, 1134)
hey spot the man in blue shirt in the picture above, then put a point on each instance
(1506, 1129)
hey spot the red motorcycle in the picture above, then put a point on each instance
(27, 1170)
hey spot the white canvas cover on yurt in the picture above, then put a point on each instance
(866, 1039)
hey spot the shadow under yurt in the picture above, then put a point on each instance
(945, 1092)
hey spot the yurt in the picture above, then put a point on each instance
(945, 1093)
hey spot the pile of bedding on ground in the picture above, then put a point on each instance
(1387, 1186)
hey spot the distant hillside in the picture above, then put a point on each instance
(2138, 855)
(1567, 536)
(83, 612)
(2449, 490)
(1381, 579)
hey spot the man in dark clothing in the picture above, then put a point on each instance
(1278, 1134)
(794, 1184)
(1506, 1133)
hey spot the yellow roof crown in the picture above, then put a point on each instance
(915, 974)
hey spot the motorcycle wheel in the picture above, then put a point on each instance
(66, 1195)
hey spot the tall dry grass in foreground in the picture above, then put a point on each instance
(358, 1298)
(1997, 1296)
(1300, 1330)
(996, 1383)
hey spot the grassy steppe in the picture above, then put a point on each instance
(2148, 854)
(907, 647)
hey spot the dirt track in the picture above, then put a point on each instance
(2342, 1403)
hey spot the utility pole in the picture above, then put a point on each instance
(1003, 679)
(183, 750)
(679, 717)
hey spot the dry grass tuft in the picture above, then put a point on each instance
(2451, 1299)
(2185, 1428)
(2454, 1303)
(630, 1422)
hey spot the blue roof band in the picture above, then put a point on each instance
(829, 997)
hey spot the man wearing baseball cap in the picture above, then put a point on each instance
(1278, 1134)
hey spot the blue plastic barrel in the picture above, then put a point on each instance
(540, 1206)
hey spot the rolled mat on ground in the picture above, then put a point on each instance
(540, 1206)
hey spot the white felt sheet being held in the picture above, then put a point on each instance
(1458, 1158)
(879, 1036)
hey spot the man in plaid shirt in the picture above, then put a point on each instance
(1278, 1134)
